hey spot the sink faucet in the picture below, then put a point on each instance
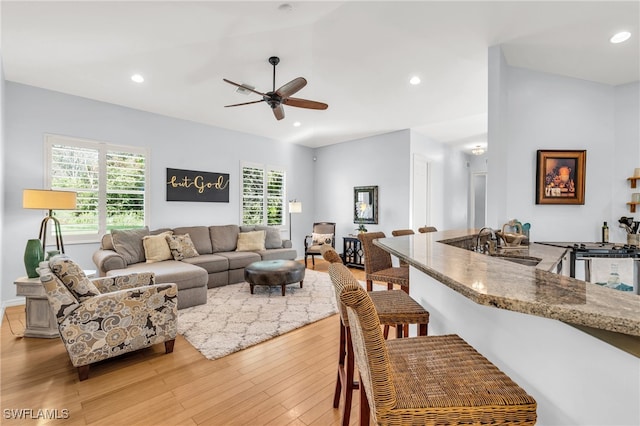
(486, 247)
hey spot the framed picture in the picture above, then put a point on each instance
(365, 204)
(560, 177)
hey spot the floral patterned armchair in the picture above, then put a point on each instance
(110, 316)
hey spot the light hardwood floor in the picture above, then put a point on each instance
(288, 380)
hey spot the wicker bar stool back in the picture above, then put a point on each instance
(378, 265)
(393, 308)
(425, 229)
(427, 380)
(401, 232)
(330, 254)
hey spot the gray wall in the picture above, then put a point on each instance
(381, 160)
(31, 112)
(531, 110)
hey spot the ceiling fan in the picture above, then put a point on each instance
(282, 96)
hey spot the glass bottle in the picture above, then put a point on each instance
(605, 233)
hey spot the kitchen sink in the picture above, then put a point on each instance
(527, 261)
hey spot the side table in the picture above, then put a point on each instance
(352, 253)
(41, 321)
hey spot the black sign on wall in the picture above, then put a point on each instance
(190, 185)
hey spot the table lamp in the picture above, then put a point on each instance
(294, 207)
(43, 199)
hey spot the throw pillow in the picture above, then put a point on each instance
(251, 241)
(156, 247)
(272, 239)
(319, 239)
(181, 246)
(73, 277)
(128, 244)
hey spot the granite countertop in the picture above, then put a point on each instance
(500, 283)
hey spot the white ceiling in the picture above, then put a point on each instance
(357, 57)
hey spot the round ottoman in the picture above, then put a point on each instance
(274, 272)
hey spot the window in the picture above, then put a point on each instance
(262, 195)
(110, 180)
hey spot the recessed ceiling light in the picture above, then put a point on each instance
(297, 124)
(620, 37)
(285, 7)
(137, 78)
(415, 80)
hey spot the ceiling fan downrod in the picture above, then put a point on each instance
(274, 60)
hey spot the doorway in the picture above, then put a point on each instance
(478, 210)
(420, 211)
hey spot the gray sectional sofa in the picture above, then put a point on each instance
(217, 262)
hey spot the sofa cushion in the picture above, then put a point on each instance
(224, 237)
(170, 271)
(156, 247)
(240, 259)
(73, 277)
(181, 246)
(210, 262)
(251, 241)
(199, 236)
(272, 239)
(128, 243)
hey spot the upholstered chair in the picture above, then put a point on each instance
(110, 316)
(323, 233)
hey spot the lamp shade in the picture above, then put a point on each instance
(295, 207)
(44, 199)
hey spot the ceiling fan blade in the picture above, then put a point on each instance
(244, 87)
(278, 112)
(304, 103)
(291, 87)
(244, 103)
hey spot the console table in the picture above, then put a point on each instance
(352, 253)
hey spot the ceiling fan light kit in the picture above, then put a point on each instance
(276, 98)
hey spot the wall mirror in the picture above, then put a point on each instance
(365, 208)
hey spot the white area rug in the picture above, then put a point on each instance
(234, 319)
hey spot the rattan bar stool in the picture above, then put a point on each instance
(394, 308)
(378, 265)
(401, 232)
(425, 229)
(425, 380)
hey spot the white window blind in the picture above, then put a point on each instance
(110, 180)
(263, 195)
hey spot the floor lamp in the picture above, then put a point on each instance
(43, 199)
(294, 207)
